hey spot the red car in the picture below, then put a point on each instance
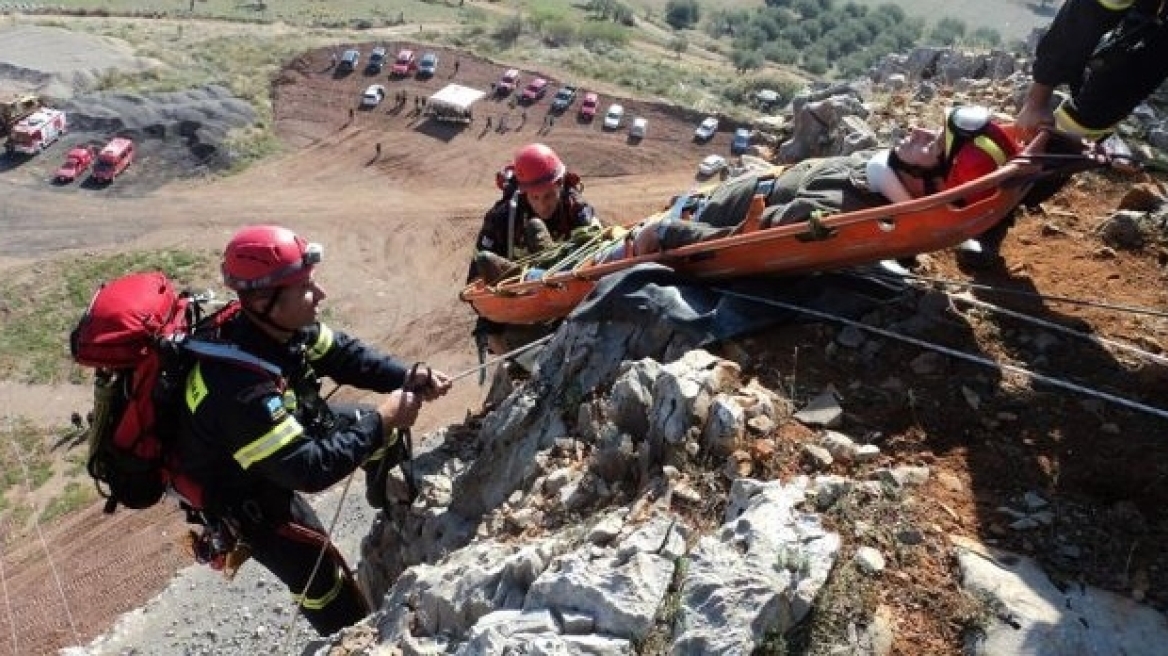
(76, 163)
(535, 90)
(403, 64)
(588, 106)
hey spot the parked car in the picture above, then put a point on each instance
(638, 128)
(349, 61)
(428, 65)
(588, 106)
(113, 159)
(712, 164)
(508, 82)
(403, 64)
(376, 61)
(564, 98)
(740, 142)
(76, 163)
(373, 95)
(614, 116)
(535, 90)
(706, 129)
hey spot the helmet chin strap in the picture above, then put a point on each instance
(265, 316)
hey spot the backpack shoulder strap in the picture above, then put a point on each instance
(204, 349)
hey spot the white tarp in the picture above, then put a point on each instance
(456, 96)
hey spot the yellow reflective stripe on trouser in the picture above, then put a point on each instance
(196, 390)
(1064, 122)
(1116, 5)
(318, 603)
(384, 449)
(324, 342)
(270, 442)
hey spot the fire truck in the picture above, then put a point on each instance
(37, 131)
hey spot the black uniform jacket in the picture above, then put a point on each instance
(573, 212)
(250, 435)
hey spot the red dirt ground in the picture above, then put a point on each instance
(398, 230)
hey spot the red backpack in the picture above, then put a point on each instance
(143, 337)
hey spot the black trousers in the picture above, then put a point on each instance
(1116, 81)
(289, 548)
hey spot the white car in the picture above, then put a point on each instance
(706, 129)
(712, 164)
(613, 117)
(374, 94)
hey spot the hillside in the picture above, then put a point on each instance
(397, 229)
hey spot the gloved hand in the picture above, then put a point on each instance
(429, 383)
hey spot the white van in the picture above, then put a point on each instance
(638, 128)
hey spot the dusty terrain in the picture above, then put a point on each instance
(397, 231)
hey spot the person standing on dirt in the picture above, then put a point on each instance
(542, 205)
(1112, 54)
(255, 441)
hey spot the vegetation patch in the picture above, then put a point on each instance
(42, 302)
(31, 482)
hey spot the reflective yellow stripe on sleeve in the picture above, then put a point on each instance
(1116, 5)
(270, 442)
(324, 342)
(319, 603)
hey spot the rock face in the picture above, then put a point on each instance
(563, 525)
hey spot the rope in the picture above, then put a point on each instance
(1055, 382)
(509, 354)
(405, 434)
(1100, 341)
(8, 604)
(45, 547)
(328, 540)
(1020, 292)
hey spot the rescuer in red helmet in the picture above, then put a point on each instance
(542, 204)
(255, 437)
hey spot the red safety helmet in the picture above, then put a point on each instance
(538, 167)
(262, 257)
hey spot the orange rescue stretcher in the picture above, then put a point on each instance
(540, 294)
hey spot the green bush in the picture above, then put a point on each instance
(682, 14)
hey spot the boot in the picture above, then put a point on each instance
(492, 267)
(539, 238)
(676, 234)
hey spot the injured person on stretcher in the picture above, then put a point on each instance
(925, 161)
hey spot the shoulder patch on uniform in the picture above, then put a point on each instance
(275, 407)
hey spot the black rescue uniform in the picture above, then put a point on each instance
(571, 213)
(1108, 76)
(252, 439)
